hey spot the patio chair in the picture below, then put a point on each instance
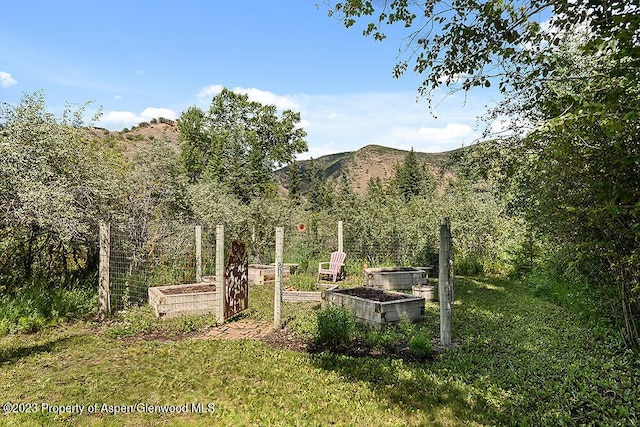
(335, 265)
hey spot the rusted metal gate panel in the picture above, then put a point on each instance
(236, 279)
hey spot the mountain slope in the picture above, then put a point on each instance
(372, 161)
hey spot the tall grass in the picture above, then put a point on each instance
(30, 308)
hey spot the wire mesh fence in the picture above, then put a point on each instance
(364, 246)
(155, 255)
(162, 254)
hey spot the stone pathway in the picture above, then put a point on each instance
(242, 329)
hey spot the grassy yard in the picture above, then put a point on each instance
(517, 360)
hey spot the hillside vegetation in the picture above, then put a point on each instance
(370, 162)
(361, 166)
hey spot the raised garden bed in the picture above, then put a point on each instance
(266, 273)
(377, 307)
(395, 278)
(293, 295)
(178, 300)
(427, 292)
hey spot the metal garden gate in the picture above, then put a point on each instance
(236, 281)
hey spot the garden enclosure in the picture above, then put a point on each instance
(165, 254)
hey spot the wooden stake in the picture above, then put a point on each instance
(340, 236)
(277, 297)
(445, 284)
(104, 299)
(220, 272)
(198, 253)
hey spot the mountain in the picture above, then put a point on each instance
(371, 161)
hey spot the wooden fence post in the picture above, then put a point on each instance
(340, 237)
(198, 253)
(104, 300)
(220, 285)
(277, 297)
(445, 284)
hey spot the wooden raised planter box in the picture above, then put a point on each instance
(376, 307)
(266, 273)
(395, 278)
(306, 296)
(178, 300)
(427, 292)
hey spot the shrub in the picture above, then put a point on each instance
(469, 265)
(420, 345)
(303, 282)
(34, 306)
(335, 327)
(385, 339)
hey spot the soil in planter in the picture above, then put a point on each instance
(372, 294)
(189, 290)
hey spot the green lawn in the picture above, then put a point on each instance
(518, 360)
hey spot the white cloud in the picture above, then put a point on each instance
(510, 126)
(118, 120)
(151, 112)
(425, 138)
(269, 98)
(452, 79)
(348, 122)
(264, 97)
(6, 79)
(209, 91)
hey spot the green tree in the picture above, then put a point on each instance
(53, 189)
(470, 44)
(239, 142)
(582, 167)
(294, 175)
(409, 178)
(318, 191)
(153, 191)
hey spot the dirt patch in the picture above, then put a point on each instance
(188, 290)
(240, 329)
(372, 294)
(287, 339)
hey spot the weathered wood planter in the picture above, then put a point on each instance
(395, 278)
(427, 292)
(305, 296)
(266, 273)
(376, 307)
(178, 300)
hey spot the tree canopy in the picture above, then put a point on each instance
(239, 142)
(465, 44)
(53, 186)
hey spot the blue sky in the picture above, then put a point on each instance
(139, 60)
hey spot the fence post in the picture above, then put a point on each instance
(104, 300)
(277, 297)
(340, 237)
(445, 284)
(198, 253)
(220, 285)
